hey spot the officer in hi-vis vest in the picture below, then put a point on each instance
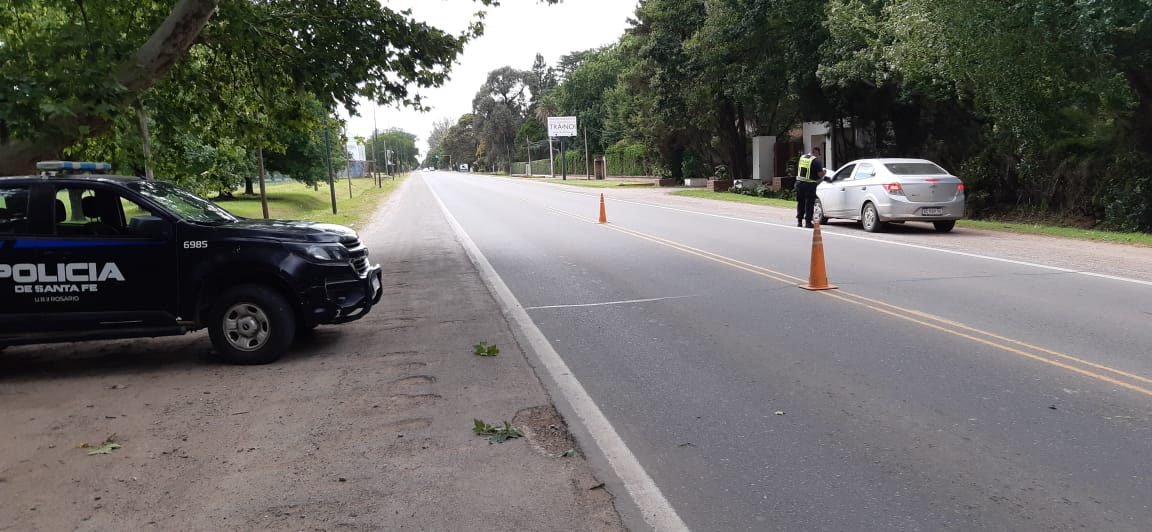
(809, 173)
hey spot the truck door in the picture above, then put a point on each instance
(97, 269)
(15, 226)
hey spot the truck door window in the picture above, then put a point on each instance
(13, 210)
(94, 212)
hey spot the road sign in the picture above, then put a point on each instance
(561, 126)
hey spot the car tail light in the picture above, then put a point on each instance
(894, 189)
(960, 187)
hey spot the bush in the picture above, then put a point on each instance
(1127, 194)
(692, 167)
(761, 191)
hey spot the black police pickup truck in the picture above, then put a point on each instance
(84, 255)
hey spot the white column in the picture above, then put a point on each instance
(764, 158)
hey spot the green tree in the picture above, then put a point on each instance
(68, 69)
(399, 146)
(662, 79)
(583, 94)
(461, 144)
(499, 109)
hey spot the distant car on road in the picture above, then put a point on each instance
(877, 191)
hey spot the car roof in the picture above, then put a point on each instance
(884, 160)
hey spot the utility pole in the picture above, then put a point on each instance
(344, 138)
(328, 151)
(587, 174)
(551, 159)
(529, 142)
(375, 153)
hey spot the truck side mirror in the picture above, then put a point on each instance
(150, 226)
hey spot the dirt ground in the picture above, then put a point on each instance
(364, 426)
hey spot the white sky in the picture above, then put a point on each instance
(513, 34)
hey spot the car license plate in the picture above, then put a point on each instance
(931, 211)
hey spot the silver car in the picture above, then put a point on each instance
(877, 191)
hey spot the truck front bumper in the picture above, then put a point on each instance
(342, 301)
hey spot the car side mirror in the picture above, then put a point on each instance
(829, 179)
(150, 226)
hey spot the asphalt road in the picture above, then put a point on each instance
(934, 390)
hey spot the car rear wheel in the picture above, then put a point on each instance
(870, 219)
(818, 213)
(251, 324)
(945, 226)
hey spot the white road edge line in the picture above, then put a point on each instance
(626, 302)
(656, 510)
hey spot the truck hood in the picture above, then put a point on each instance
(292, 230)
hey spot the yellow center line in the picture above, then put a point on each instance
(909, 315)
(1002, 338)
(1009, 349)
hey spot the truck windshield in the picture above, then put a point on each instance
(184, 204)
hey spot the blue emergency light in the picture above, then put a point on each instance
(73, 167)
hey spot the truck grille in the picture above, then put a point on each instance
(358, 256)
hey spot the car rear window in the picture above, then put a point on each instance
(914, 169)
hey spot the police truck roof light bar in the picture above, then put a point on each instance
(73, 167)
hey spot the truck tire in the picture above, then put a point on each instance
(251, 324)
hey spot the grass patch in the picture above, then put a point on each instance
(297, 201)
(1140, 239)
(738, 198)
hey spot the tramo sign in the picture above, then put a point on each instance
(561, 126)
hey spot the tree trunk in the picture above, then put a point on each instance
(151, 62)
(732, 138)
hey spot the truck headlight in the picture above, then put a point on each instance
(325, 252)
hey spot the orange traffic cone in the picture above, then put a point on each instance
(603, 216)
(817, 278)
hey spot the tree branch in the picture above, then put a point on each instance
(149, 64)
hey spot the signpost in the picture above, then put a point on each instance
(562, 126)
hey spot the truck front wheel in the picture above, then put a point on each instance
(251, 324)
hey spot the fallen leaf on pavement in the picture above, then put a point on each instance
(107, 448)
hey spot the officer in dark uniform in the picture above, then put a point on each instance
(809, 173)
